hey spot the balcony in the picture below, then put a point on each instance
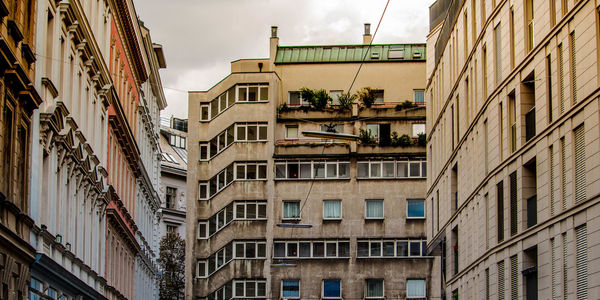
(311, 146)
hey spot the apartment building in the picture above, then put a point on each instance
(512, 126)
(18, 99)
(173, 143)
(274, 213)
(95, 153)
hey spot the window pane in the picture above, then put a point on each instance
(251, 172)
(204, 113)
(261, 289)
(240, 172)
(291, 132)
(279, 250)
(280, 171)
(375, 249)
(262, 133)
(231, 96)
(388, 169)
(292, 170)
(250, 250)
(332, 209)
(415, 288)
(402, 248)
(318, 249)
(239, 289)
(291, 289)
(374, 288)
(332, 289)
(424, 169)
(363, 249)
(402, 169)
(415, 248)
(262, 172)
(291, 209)
(374, 208)
(240, 250)
(294, 99)
(388, 248)
(250, 289)
(252, 132)
(319, 170)
(332, 170)
(262, 211)
(264, 93)
(344, 170)
(251, 213)
(253, 93)
(415, 169)
(292, 249)
(331, 249)
(304, 249)
(343, 249)
(240, 211)
(415, 208)
(363, 170)
(261, 250)
(305, 169)
(241, 133)
(374, 128)
(376, 170)
(204, 152)
(202, 192)
(418, 129)
(242, 93)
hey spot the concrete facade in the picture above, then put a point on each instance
(512, 123)
(248, 159)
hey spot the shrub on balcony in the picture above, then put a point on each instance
(366, 137)
(367, 96)
(422, 139)
(318, 99)
(404, 140)
(346, 100)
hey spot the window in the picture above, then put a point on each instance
(247, 250)
(378, 94)
(170, 197)
(169, 158)
(35, 289)
(498, 54)
(418, 129)
(373, 130)
(295, 99)
(391, 248)
(251, 132)
(377, 169)
(374, 209)
(419, 97)
(252, 92)
(250, 210)
(290, 289)
(242, 171)
(529, 41)
(244, 288)
(335, 95)
(332, 289)
(415, 209)
(312, 170)
(312, 249)
(291, 131)
(171, 228)
(177, 141)
(415, 288)
(374, 288)
(291, 210)
(581, 261)
(332, 209)
(580, 162)
(202, 268)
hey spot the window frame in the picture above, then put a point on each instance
(299, 288)
(424, 131)
(419, 217)
(311, 251)
(333, 218)
(367, 288)
(247, 86)
(205, 263)
(323, 289)
(382, 210)
(416, 297)
(287, 127)
(283, 217)
(313, 169)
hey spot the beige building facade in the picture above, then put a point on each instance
(274, 213)
(512, 127)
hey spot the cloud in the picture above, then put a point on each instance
(201, 38)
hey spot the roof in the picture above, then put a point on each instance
(178, 156)
(350, 53)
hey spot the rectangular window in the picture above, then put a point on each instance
(580, 162)
(312, 170)
(332, 289)
(202, 269)
(549, 99)
(374, 288)
(561, 80)
(291, 131)
(419, 97)
(573, 64)
(563, 173)
(295, 99)
(374, 209)
(552, 13)
(417, 129)
(415, 288)
(290, 289)
(512, 121)
(498, 56)
(514, 277)
(291, 210)
(484, 71)
(529, 31)
(248, 132)
(501, 280)
(415, 209)
(500, 210)
(332, 209)
(512, 38)
(252, 92)
(170, 197)
(204, 113)
(378, 94)
(335, 95)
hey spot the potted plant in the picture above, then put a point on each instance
(318, 99)
(422, 139)
(345, 101)
(405, 140)
(367, 96)
(365, 136)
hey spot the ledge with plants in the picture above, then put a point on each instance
(366, 138)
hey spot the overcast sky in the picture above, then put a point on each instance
(201, 37)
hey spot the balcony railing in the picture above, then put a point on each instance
(307, 141)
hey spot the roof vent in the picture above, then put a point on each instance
(375, 55)
(396, 53)
(417, 54)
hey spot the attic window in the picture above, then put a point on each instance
(396, 53)
(375, 55)
(417, 54)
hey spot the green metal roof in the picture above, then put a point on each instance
(350, 53)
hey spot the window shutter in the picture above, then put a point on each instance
(581, 261)
(501, 287)
(487, 284)
(573, 67)
(514, 277)
(580, 164)
(552, 195)
(561, 78)
(513, 204)
(554, 261)
(564, 259)
(563, 171)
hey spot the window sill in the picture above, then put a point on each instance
(374, 219)
(415, 218)
(332, 220)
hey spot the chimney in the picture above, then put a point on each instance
(273, 44)
(367, 36)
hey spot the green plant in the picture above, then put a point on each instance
(408, 104)
(346, 100)
(318, 99)
(283, 108)
(394, 139)
(422, 139)
(367, 96)
(404, 140)
(365, 136)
